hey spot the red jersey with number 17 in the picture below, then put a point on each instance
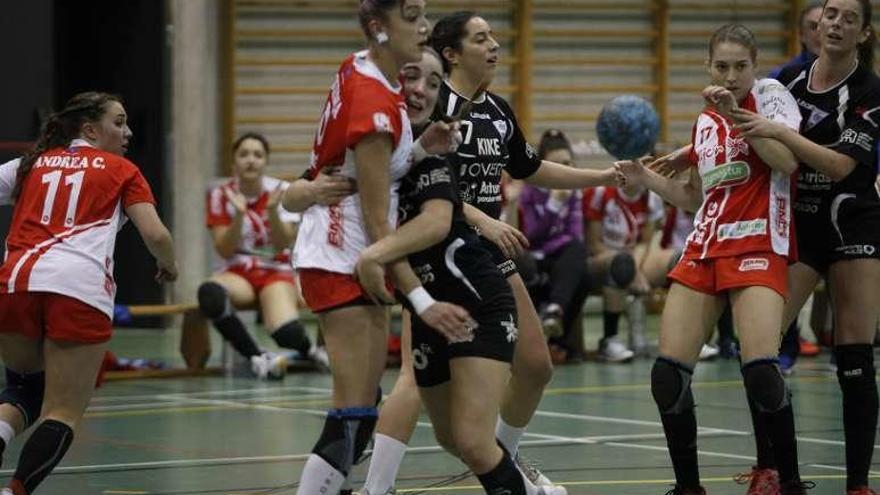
(64, 226)
(746, 204)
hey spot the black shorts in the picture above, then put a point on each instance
(494, 338)
(505, 264)
(848, 228)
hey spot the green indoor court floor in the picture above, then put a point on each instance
(597, 432)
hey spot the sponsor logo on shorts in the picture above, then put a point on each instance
(420, 356)
(510, 327)
(738, 230)
(727, 175)
(754, 264)
(857, 250)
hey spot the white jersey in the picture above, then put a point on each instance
(361, 102)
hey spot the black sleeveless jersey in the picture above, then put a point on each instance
(492, 142)
(458, 269)
(844, 118)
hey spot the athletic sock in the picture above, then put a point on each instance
(233, 330)
(610, 323)
(858, 382)
(509, 436)
(41, 453)
(504, 479)
(318, 476)
(783, 441)
(763, 448)
(387, 456)
(292, 335)
(681, 439)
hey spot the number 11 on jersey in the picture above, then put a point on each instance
(53, 178)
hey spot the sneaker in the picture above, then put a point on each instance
(269, 366)
(530, 470)
(761, 481)
(318, 355)
(552, 490)
(728, 348)
(796, 487)
(612, 350)
(862, 490)
(807, 348)
(687, 491)
(551, 320)
(708, 352)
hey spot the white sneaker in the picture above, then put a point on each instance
(708, 352)
(612, 350)
(530, 470)
(269, 366)
(319, 356)
(636, 316)
(552, 490)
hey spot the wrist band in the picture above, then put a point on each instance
(420, 299)
(418, 152)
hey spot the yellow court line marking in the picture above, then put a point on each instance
(725, 479)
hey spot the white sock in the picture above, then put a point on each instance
(509, 436)
(387, 456)
(318, 476)
(7, 432)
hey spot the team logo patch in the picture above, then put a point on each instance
(420, 356)
(754, 264)
(510, 327)
(382, 122)
(501, 127)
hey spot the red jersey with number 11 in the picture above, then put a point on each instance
(64, 226)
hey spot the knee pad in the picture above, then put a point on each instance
(671, 386)
(765, 386)
(292, 335)
(214, 300)
(345, 436)
(855, 365)
(25, 392)
(621, 271)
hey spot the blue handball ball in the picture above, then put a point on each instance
(627, 127)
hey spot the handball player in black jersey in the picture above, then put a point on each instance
(461, 378)
(493, 143)
(837, 213)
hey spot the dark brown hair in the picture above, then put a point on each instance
(63, 127)
(375, 9)
(448, 33)
(552, 140)
(251, 135)
(734, 33)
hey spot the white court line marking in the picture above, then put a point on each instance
(261, 390)
(168, 402)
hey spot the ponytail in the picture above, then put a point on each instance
(61, 128)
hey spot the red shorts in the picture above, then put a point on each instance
(259, 278)
(45, 315)
(323, 290)
(716, 275)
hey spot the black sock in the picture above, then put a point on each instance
(504, 478)
(763, 448)
(233, 330)
(782, 440)
(856, 375)
(2, 450)
(292, 335)
(609, 322)
(681, 439)
(41, 453)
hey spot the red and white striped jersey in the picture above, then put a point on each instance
(622, 217)
(256, 249)
(361, 102)
(64, 226)
(746, 204)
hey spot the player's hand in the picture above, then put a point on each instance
(236, 198)
(166, 273)
(630, 173)
(450, 320)
(512, 242)
(371, 275)
(721, 98)
(441, 138)
(671, 164)
(330, 189)
(751, 124)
